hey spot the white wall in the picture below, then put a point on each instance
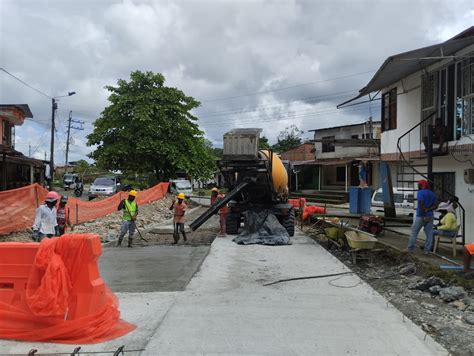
(343, 133)
(465, 192)
(408, 114)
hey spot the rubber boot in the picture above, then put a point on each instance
(184, 236)
(119, 242)
(130, 243)
(175, 238)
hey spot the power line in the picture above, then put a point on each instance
(278, 104)
(285, 117)
(290, 87)
(25, 83)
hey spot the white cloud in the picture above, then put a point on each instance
(211, 50)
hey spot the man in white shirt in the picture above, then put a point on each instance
(46, 218)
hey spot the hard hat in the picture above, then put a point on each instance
(52, 196)
(64, 199)
(215, 189)
(181, 196)
(133, 193)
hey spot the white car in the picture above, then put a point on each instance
(181, 186)
(104, 186)
(404, 201)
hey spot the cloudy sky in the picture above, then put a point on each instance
(268, 64)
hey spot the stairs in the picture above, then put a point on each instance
(413, 165)
(333, 197)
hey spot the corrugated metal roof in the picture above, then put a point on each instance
(402, 65)
(23, 107)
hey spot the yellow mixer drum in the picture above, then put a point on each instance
(279, 174)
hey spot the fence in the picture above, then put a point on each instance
(18, 206)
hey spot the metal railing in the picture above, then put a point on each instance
(407, 162)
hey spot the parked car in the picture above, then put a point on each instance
(71, 180)
(104, 186)
(181, 186)
(404, 201)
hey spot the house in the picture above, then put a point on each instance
(300, 164)
(340, 149)
(16, 170)
(427, 95)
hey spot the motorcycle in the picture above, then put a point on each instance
(78, 190)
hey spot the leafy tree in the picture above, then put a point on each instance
(148, 127)
(263, 143)
(289, 138)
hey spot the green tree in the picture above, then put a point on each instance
(263, 143)
(289, 138)
(148, 127)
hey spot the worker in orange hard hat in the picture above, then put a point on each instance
(46, 217)
(179, 208)
(215, 197)
(130, 212)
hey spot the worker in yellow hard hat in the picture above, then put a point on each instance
(179, 208)
(215, 197)
(130, 212)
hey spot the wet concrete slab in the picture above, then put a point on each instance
(150, 268)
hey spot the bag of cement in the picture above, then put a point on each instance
(262, 228)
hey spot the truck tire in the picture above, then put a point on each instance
(232, 223)
(288, 222)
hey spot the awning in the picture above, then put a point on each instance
(402, 65)
(334, 162)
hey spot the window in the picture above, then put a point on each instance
(355, 137)
(389, 110)
(7, 134)
(444, 183)
(328, 146)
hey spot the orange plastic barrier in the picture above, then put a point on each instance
(297, 202)
(313, 209)
(17, 206)
(53, 292)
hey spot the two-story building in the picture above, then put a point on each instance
(427, 115)
(16, 170)
(340, 149)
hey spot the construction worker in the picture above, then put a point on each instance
(178, 217)
(62, 216)
(46, 218)
(130, 212)
(215, 197)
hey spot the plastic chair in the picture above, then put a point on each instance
(453, 240)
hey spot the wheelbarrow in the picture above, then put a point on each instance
(361, 245)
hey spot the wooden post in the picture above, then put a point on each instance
(4, 172)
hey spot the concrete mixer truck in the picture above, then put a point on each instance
(256, 180)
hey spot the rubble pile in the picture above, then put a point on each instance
(108, 226)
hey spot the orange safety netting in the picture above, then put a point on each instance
(17, 206)
(65, 300)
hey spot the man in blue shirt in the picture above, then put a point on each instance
(424, 215)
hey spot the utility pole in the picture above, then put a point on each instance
(69, 127)
(29, 149)
(54, 106)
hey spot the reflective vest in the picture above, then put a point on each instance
(129, 210)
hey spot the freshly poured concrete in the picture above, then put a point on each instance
(225, 310)
(150, 268)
